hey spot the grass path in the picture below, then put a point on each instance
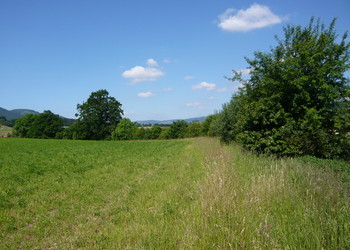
(57, 194)
(259, 202)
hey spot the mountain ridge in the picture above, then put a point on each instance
(16, 113)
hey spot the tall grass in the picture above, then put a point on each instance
(184, 194)
(256, 202)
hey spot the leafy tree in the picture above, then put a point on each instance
(216, 125)
(125, 130)
(147, 135)
(297, 98)
(155, 132)
(178, 129)
(23, 125)
(194, 129)
(206, 124)
(165, 133)
(98, 116)
(77, 131)
(2, 119)
(140, 133)
(44, 125)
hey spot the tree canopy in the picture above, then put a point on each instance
(98, 116)
(44, 125)
(296, 100)
(178, 129)
(125, 130)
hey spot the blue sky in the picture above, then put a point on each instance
(162, 59)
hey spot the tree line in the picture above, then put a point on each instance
(100, 118)
(295, 102)
(297, 99)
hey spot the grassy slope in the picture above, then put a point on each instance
(165, 194)
(4, 130)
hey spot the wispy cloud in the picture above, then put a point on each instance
(145, 94)
(204, 85)
(255, 17)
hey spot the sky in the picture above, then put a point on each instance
(161, 59)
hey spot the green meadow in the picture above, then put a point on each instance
(175, 194)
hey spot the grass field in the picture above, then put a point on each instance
(4, 130)
(57, 194)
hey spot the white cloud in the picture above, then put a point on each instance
(188, 78)
(141, 74)
(152, 63)
(204, 85)
(255, 17)
(167, 60)
(145, 94)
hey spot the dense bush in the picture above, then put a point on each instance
(178, 129)
(44, 125)
(125, 130)
(296, 101)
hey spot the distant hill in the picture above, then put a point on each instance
(168, 122)
(16, 113)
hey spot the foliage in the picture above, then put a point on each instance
(125, 130)
(44, 125)
(206, 124)
(215, 126)
(4, 121)
(296, 101)
(154, 132)
(178, 129)
(194, 129)
(165, 133)
(140, 133)
(98, 116)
